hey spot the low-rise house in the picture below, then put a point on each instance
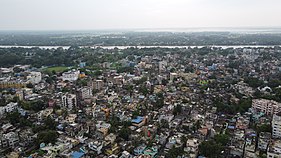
(126, 154)
(139, 150)
(242, 123)
(139, 121)
(96, 146)
(192, 147)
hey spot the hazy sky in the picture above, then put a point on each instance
(126, 14)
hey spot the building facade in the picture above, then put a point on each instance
(69, 101)
(268, 107)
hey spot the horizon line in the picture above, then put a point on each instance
(140, 29)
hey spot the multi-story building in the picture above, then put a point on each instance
(10, 139)
(85, 92)
(97, 84)
(34, 77)
(274, 149)
(69, 101)
(8, 108)
(268, 107)
(263, 141)
(11, 107)
(276, 126)
(70, 75)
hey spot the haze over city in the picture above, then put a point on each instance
(140, 79)
(137, 14)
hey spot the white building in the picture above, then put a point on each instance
(11, 107)
(173, 76)
(72, 75)
(8, 108)
(69, 101)
(276, 126)
(162, 65)
(10, 139)
(96, 146)
(269, 107)
(34, 77)
(192, 147)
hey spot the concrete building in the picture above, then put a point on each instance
(96, 146)
(192, 147)
(263, 141)
(268, 107)
(8, 108)
(274, 149)
(98, 84)
(276, 126)
(10, 139)
(85, 93)
(69, 101)
(72, 75)
(34, 77)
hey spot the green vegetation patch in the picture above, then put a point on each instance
(56, 69)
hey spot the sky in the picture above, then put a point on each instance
(137, 14)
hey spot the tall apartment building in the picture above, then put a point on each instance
(276, 126)
(85, 92)
(97, 84)
(269, 107)
(69, 101)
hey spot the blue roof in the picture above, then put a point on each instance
(77, 154)
(231, 127)
(137, 120)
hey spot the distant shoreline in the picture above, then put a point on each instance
(125, 47)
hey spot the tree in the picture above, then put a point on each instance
(264, 128)
(47, 136)
(159, 100)
(210, 149)
(177, 110)
(13, 117)
(253, 82)
(98, 73)
(222, 139)
(175, 152)
(164, 123)
(143, 90)
(125, 133)
(50, 123)
(17, 69)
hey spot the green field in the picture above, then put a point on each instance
(57, 69)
